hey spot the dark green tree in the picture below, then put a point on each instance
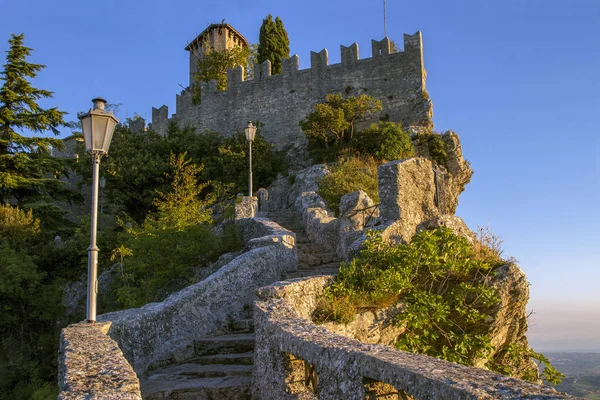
(273, 43)
(31, 309)
(28, 172)
(136, 167)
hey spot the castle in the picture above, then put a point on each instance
(281, 101)
(246, 330)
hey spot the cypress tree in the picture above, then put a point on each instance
(27, 170)
(273, 43)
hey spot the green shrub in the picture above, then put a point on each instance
(332, 122)
(448, 300)
(349, 175)
(438, 149)
(335, 308)
(17, 227)
(158, 257)
(384, 141)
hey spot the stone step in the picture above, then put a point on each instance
(315, 256)
(192, 369)
(236, 358)
(243, 325)
(182, 387)
(226, 344)
(306, 273)
(297, 229)
(327, 268)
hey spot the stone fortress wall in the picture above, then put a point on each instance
(281, 101)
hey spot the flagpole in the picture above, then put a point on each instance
(384, 21)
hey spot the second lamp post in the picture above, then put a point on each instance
(250, 133)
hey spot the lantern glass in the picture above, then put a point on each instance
(250, 132)
(86, 126)
(98, 127)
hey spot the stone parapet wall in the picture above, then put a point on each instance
(91, 365)
(165, 331)
(281, 101)
(294, 358)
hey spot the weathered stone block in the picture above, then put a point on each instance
(246, 207)
(91, 365)
(406, 194)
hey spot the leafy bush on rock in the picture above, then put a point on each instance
(384, 141)
(447, 296)
(350, 174)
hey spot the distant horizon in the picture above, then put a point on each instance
(563, 327)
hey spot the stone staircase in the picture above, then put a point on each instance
(313, 258)
(221, 368)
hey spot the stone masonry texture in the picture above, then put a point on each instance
(91, 365)
(281, 101)
(284, 330)
(163, 332)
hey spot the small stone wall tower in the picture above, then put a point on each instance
(218, 37)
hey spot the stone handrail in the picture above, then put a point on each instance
(91, 365)
(294, 358)
(158, 333)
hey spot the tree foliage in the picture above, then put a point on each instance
(28, 173)
(213, 65)
(229, 164)
(136, 167)
(447, 296)
(384, 141)
(334, 120)
(158, 257)
(31, 308)
(182, 206)
(273, 43)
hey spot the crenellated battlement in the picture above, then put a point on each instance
(280, 101)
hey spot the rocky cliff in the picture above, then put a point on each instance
(415, 194)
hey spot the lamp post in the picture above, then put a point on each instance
(250, 133)
(98, 127)
(102, 186)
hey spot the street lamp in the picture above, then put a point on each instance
(250, 133)
(98, 127)
(102, 186)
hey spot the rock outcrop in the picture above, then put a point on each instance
(371, 326)
(407, 196)
(509, 326)
(453, 175)
(357, 212)
(415, 194)
(285, 191)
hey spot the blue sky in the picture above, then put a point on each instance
(518, 80)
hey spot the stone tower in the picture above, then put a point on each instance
(218, 37)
